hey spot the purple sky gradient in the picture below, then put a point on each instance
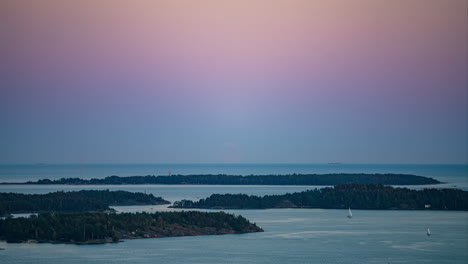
(360, 81)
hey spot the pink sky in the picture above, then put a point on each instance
(376, 69)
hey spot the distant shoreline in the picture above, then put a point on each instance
(223, 179)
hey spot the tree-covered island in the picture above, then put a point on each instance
(358, 196)
(80, 201)
(92, 228)
(222, 179)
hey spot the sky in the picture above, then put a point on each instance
(245, 81)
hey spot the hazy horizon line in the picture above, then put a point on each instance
(218, 163)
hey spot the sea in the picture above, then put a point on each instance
(291, 235)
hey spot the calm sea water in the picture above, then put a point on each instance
(291, 235)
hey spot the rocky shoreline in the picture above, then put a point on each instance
(174, 233)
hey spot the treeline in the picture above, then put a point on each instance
(104, 228)
(85, 200)
(222, 179)
(358, 196)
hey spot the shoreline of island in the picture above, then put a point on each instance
(330, 179)
(343, 196)
(73, 201)
(100, 228)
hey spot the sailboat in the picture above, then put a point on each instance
(350, 214)
(428, 232)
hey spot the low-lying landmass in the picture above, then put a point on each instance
(80, 201)
(92, 228)
(358, 196)
(222, 179)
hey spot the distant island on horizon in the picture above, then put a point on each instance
(223, 179)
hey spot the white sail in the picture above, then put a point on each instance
(350, 214)
(428, 232)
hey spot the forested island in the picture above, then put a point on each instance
(357, 196)
(222, 179)
(94, 228)
(80, 201)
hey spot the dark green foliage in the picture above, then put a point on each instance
(102, 227)
(86, 200)
(358, 196)
(222, 179)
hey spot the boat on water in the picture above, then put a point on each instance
(350, 214)
(428, 232)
